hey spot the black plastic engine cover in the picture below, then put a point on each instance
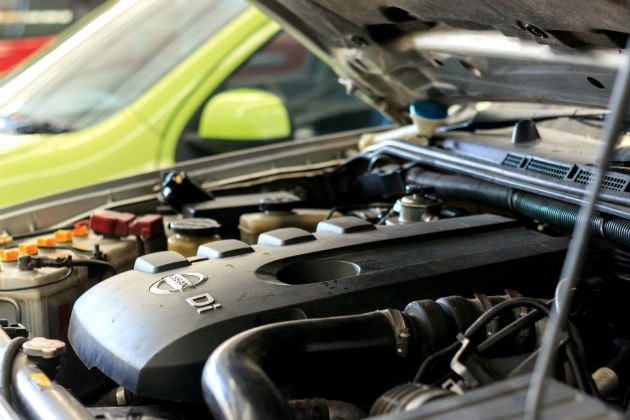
(152, 331)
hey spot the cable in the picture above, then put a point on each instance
(41, 232)
(481, 322)
(95, 263)
(66, 276)
(18, 310)
(10, 351)
(572, 358)
(510, 329)
(355, 207)
(68, 248)
(71, 263)
(508, 304)
(579, 242)
(435, 356)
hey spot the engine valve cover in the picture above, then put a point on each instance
(151, 329)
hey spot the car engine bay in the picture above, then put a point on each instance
(405, 280)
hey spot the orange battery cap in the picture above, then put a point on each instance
(63, 236)
(27, 249)
(5, 238)
(8, 255)
(46, 241)
(81, 230)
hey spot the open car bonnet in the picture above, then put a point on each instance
(394, 52)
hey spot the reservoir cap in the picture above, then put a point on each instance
(195, 226)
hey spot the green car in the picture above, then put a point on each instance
(140, 85)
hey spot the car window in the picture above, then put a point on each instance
(316, 102)
(113, 60)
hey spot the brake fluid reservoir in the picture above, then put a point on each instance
(189, 233)
(276, 213)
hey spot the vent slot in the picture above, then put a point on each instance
(550, 169)
(513, 161)
(610, 182)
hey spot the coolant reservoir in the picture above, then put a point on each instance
(189, 233)
(276, 213)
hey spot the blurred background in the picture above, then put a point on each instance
(27, 25)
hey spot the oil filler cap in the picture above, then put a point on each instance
(195, 226)
(277, 204)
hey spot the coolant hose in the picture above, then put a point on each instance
(10, 351)
(235, 384)
(561, 215)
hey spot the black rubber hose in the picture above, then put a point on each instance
(235, 384)
(10, 351)
(561, 215)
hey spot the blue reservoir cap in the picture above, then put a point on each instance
(428, 109)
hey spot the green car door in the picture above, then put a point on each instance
(122, 90)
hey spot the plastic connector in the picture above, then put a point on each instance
(147, 226)
(9, 255)
(13, 330)
(178, 189)
(64, 235)
(46, 242)
(27, 249)
(81, 230)
(108, 222)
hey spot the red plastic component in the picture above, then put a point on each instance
(108, 222)
(81, 223)
(147, 226)
(12, 51)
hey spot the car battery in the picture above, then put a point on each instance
(42, 298)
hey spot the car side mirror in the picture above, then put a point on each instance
(242, 118)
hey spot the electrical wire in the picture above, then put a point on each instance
(95, 263)
(67, 248)
(578, 374)
(481, 322)
(355, 207)
(490, 314)
(510, 329)
(72, 263)
(426, 364)
(579, 241)
(38, 286)
(41, 232)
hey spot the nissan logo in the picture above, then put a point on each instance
(177, 283)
